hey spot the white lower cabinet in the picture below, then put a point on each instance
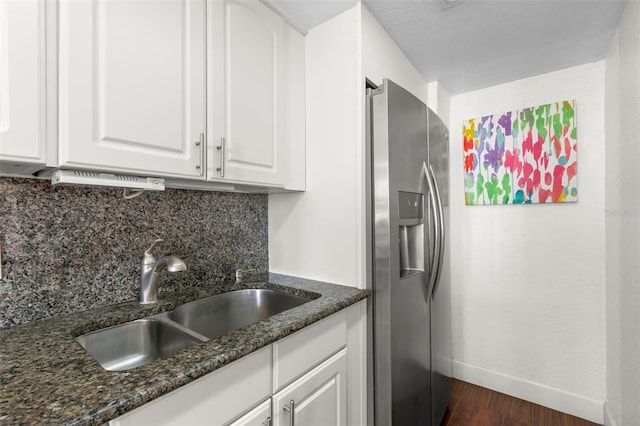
(317, 398)
(303, 375)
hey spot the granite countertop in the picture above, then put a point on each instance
(46, 377)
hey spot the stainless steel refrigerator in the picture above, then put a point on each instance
(410, 321)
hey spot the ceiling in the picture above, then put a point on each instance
(471, 44)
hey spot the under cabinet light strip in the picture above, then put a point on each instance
(79, 177)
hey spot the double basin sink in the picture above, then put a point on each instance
(135, 343)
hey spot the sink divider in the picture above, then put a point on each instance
(164, 318)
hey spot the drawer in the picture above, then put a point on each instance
(213, 399)
(300, 352)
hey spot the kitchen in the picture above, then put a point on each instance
(568, 340)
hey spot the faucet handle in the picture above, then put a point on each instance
(148, 251)
(149, 258)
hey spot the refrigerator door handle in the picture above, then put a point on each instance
(440, 234)
(435, 249)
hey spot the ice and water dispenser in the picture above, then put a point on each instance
(411, 233)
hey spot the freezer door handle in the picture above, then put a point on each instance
(441, 233)
(434, 249)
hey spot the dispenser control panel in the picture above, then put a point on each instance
(411, 234)
(410, 208)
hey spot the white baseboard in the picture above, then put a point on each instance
(566, 402)
(608, 417)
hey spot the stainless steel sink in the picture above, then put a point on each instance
(218, 315)
(135, 343)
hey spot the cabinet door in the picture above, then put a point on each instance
(22, 84)
(132, 86)
(317, 398)
(259, 416)
(247, 72)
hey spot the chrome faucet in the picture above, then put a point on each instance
(150, 270)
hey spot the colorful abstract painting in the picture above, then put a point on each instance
(522, 157)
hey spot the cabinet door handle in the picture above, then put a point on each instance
(268, 422)
(291, 408)
(200, 144)
(221, 148)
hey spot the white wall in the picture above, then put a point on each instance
(382, 58)
(623, 222)
(612, 226)
(315, 234)
(528, 281)
(320, 233)
(629, 45)
(439, 100)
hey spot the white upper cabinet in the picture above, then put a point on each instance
(132, 86)
(22, 86)
(201, 92)
(252, 52)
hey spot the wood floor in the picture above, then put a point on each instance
(473, 405)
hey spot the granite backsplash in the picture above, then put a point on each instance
(69, 249)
